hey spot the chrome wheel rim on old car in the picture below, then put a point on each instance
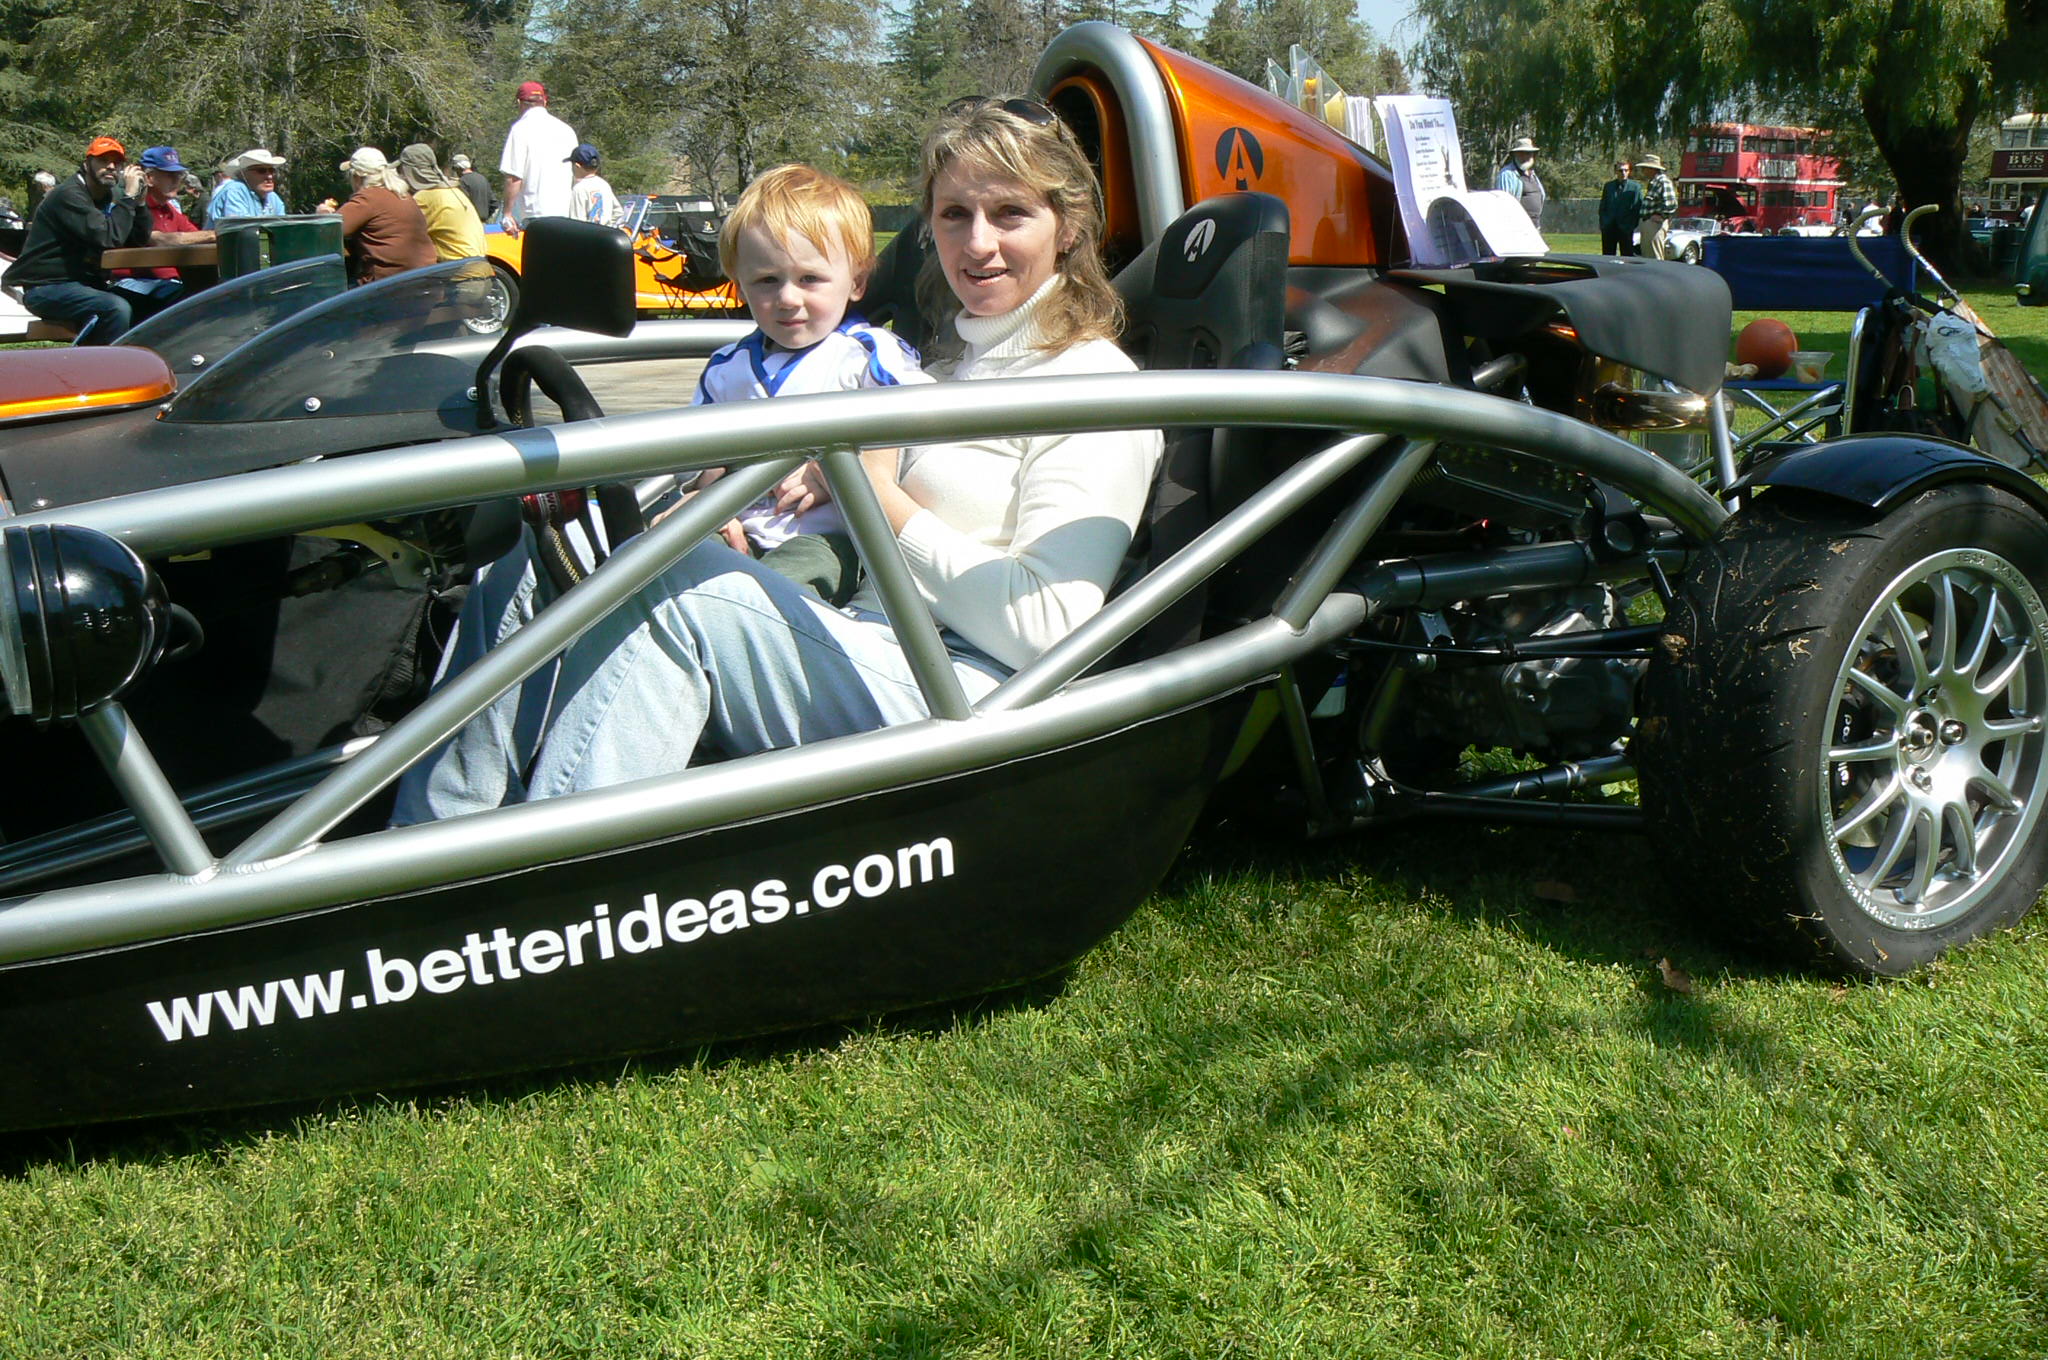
(1932, 782)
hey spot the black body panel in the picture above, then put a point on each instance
(1623, 308)
(1881, 470)
(1357, 322)
(1041, 858)
(63, 462)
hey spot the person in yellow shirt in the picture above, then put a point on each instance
(457, 231)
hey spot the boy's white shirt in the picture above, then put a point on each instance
(854, 356)
(591, 199)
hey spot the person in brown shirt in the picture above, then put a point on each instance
(382, 228)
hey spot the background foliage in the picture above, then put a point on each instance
(677, 93)
(1904, 82)
(704, 93)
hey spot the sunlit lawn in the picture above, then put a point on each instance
(1424, 1094)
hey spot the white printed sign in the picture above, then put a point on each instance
(1447, 224)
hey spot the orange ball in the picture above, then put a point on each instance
(1768, 343)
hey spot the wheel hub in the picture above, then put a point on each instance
(1919, 734)
(1938, 762)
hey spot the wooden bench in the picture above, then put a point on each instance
(49, 330)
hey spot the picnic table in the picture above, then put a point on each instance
(203, 255)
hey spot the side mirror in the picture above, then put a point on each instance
(573, 274)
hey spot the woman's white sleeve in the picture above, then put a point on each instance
(1079, 499)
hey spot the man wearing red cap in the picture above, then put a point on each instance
(535, 161)
(59, 273)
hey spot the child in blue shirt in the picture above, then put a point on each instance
(800, 245)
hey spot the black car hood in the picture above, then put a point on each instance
(1667, 319)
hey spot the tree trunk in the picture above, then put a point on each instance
(1927, 164)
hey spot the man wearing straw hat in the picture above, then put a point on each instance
(1518, 177)
(1660, 204)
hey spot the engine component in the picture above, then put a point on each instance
(1563, 708)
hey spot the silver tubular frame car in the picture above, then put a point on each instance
(1148, 114)
(1387, 428)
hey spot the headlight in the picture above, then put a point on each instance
(81, 618)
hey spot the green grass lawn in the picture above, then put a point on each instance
(1422, 1094)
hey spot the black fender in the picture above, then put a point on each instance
(1881, 471)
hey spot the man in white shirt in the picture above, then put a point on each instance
(535, 161)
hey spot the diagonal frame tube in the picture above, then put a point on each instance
(929, 660)
(1120, 619)
(507, 664)
(463, 471)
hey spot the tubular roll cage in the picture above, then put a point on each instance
(1390, 428)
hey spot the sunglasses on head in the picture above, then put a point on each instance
(1030, 110)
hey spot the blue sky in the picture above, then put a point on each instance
(1386, 18)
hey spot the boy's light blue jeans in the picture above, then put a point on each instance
(717, 647)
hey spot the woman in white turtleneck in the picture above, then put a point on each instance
(1013, 542)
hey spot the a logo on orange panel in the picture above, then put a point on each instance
(1239, 157)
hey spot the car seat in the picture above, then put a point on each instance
(1211, 292)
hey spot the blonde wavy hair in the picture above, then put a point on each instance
(985, 137)
(799, 200)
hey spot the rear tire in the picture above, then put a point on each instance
(1844, 735)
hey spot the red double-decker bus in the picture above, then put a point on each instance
(1757, 178)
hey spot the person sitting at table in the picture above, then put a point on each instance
(452, 221)
(169, 226)
(382, 229)
(59, 274)
(250, 190)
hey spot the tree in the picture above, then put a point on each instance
(36, 131)
(767, 81)
(1915, 73)
(310, 79)
(1242, 35)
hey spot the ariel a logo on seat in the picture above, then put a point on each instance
(1239, 157)
(1200, 236)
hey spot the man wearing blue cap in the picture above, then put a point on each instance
(590, 197)
(164, 176)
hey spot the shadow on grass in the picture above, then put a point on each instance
(1104, 1240)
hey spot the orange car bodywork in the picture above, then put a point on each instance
(54, 382)
(1234, 137)
(653, 264)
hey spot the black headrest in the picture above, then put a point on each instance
(1212, 287)
(891, 296)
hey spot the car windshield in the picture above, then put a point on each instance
(1707, 225)
(205, 327)
(375, 350)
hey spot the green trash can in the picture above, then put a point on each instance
(248, 244)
